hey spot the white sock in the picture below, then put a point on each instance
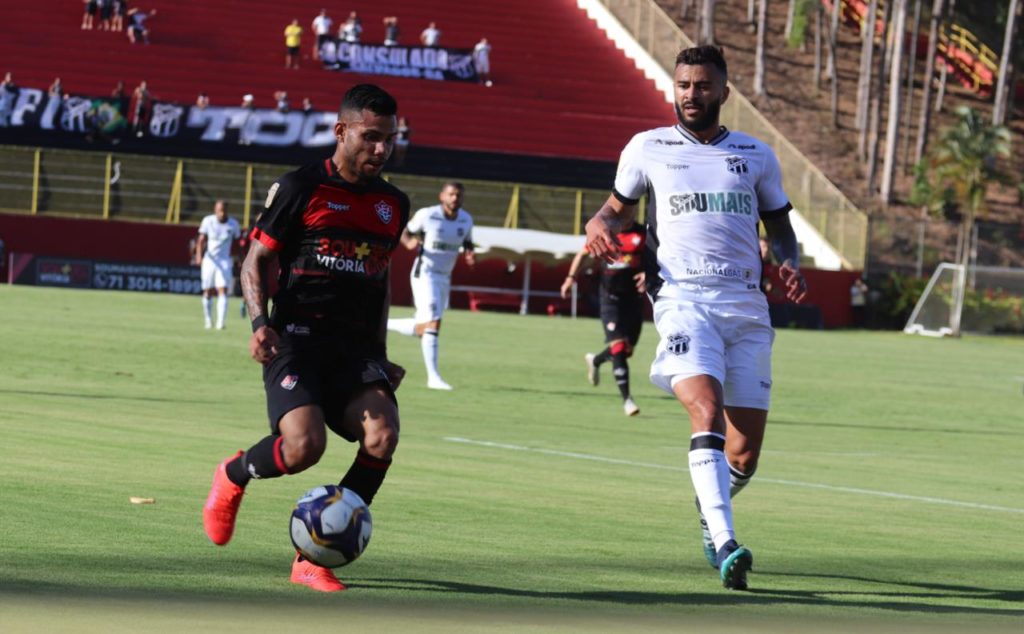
(403, 326)
(207, 305)
(222, 309)
(738, 480)
(709, 472)
(429, 345)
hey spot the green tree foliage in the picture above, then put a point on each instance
(961, 166)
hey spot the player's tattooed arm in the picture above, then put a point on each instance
(254, 278)
(784, 244)
(783, 239)
(606, 223)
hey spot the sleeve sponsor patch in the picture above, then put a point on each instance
(270, 194)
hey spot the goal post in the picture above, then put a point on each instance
(976, 299)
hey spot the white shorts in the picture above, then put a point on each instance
(430, 294)
(215, 273)
(730, 340)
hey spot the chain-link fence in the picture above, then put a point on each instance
(814, 196)
(141, 187)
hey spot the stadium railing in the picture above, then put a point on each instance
(823, 205)
(175, 190)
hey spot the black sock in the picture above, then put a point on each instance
(366, 475)
(621, 373)
(263, 460)
(603, 356)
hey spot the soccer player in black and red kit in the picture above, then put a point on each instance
(331, 227)
(622, 297)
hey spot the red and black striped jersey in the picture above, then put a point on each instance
(334, 242)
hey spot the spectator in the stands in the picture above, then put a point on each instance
(245, 131)
(482, 61)
(307, 105)
(137, 25)
(120, 10)
(292, 44)
(106, 8)
(141, 99)
(322, 29)
(281, 97)
(121, 96)
(55, 100)
(401, 141)
(431, 36)
(89, 14)
(352, 29)
(56, 89)
(8, 94)
(202, 101)
(391, 31)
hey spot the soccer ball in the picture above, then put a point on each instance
(331, 526)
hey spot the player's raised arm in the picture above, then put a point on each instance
(608, 221)
(263, 344)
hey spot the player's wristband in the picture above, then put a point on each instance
(259, 322)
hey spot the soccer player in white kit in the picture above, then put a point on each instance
(217, 232)
(708, 188)
(438, 233)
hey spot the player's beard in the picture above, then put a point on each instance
(707, 120)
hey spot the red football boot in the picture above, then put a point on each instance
(222, 505)
(305, 572)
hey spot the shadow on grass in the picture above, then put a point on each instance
(754, 597)
(921, 598)
(112, 397)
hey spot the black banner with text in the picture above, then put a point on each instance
(420, 62)
(26, 268)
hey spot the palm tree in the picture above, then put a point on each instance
(961, 166)
(926, 90)
(1004, 87)
(706, 32)
(895, 99)
(867, 50)
(957, 174)
(762, 12)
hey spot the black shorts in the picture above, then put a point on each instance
(622, 316)
(310, 371)
(292, 50)
(90, 7)
(322, 39)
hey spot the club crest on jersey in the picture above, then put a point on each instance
(384, 211)
(736, 164)
(678, 344)
(289, 382)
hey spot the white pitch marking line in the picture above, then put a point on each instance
(809, 485)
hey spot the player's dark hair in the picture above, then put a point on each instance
(369, 97)
(700, 55)
(456, 184)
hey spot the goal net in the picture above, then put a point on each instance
(980, 299)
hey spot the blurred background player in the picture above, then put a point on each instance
(622, 310)
(217, 232)
(438, 232)
(330, 227)
(716, 336)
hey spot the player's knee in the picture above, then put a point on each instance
(705, 412)
(302, 452)
(620, 347)
(381, 440)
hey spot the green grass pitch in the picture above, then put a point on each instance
(888, 497)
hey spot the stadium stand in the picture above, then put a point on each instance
(561, 88)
